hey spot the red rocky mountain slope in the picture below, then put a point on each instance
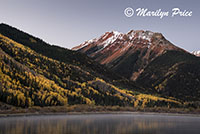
(127, 54)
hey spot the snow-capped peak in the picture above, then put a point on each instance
(111, 37)
(131, 34)
(116, 33)
(197, 53)
(140, 34)
(146, 35)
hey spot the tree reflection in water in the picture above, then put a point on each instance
(100, 124)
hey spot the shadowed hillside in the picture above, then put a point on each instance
(31, 79)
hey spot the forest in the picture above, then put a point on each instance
(31, 79)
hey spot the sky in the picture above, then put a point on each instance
(68, 23)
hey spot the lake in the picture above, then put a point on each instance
(125, 123)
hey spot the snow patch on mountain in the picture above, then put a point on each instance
(147, 35)
(197, 53)
(131, 34)
(84, 44)
(112, 39)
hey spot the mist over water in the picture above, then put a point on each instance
(100, 124)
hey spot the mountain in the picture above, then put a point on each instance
(197, 53)
(150, 60)
(28, 77)
(128, 54)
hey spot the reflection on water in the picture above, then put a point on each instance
(101, 124)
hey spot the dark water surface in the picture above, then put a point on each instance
(100, 124)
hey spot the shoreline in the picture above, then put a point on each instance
(93, 113)
(85, 109)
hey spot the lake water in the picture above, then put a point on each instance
(100, 124)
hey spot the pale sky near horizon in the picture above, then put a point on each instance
(68, 23)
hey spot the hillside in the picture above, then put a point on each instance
(31, 79)
(56, 52)
(68, 56)
(175, 74)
